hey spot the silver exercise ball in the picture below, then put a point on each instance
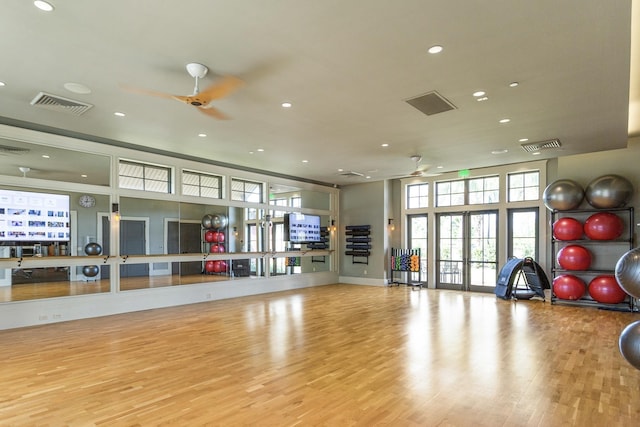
(628, 272)
(207, 221)
(609, 191)
(90, 270)
(629, 343)
(93, 248)
(563, 195)
(218, 221)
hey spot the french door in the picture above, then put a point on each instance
(467, 256)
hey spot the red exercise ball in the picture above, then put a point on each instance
(218, 236)
(219, 266)
(210, 236)
(567, 228)
(574, 257)
(216, 248)
(605, 289)
(209, 266)
(568, 287)
(603, 226)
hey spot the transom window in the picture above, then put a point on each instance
(145, 177)
(417, 196)
(246, 191)
(524, 186)
(201, 184)
(484, 190)
(450, 193)
(278, 202)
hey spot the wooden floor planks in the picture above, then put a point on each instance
(337, 355)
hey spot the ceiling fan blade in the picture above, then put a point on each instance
(146, 91)
(213, 112)
(218, 90)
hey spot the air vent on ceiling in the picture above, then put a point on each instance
(58, 103)
(431, 103)
(351, 173)
(533, 147)
(13, 150)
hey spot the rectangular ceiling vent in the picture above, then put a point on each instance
(58, 103)
(431, 103)
(13, 150)
(533, 147)
(351, 173)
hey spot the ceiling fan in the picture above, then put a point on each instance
(201, 99)
(417, 171)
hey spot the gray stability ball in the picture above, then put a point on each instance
(207, 221)
(90, 270)
(218, 221)
(93, 248)
(563, 195)
(627, 272)
(609, 191)
(629, 343)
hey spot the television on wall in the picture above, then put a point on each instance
(302, 228)
(33, 217)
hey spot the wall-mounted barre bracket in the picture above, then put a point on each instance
(124, 258)
(19, 261)
(105, 259)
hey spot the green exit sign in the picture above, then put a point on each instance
(463, 173)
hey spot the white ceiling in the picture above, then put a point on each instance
(347, 66)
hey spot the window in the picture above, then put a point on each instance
(450, 193)
(246, 191)
(524, 186)
(296, 202)
(145, 177)
(523, 233)
(201, 184)
(484, 190)
(278, 202)
(417, 196)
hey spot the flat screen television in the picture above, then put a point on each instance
(302, 228)
(33, 217)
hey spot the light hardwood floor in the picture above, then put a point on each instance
(337, 355)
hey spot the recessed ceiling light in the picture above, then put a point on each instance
(513, 84)
(119, 114)
(479, 93)
(250, 152)
(84, 175)
(523, 139)
(202, 135)
(46, 156)
(2, 84)
(384, 145)
(286, 105)
(368, 177)
(340, 170)
(482, 98)
(435, 49)
(260, 150)
(77, 88)
(499, 151)
(43, 5)
(535, 153)
(505, 120)
(439, 167)
(305, 161)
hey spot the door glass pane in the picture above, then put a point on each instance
(450, 248)
(482, 249)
